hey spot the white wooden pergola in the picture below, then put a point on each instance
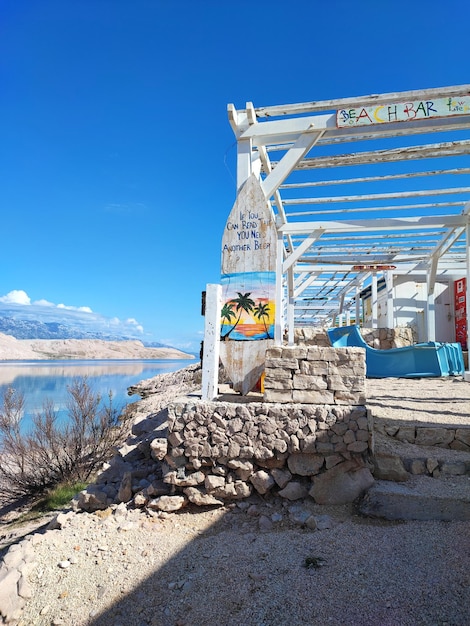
(360, 188)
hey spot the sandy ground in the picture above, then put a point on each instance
(255, 566)
(420, 400)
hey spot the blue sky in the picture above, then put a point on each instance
(117, 161)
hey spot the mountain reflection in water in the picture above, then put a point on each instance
(41, 381)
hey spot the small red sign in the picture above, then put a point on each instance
(460, 307)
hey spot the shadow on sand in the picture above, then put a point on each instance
(357, 571)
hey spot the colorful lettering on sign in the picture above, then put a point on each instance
(403, 111)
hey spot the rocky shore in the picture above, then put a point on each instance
(43, 349)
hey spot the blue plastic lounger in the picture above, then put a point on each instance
(419, 360)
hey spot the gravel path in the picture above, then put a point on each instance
(417, 400)
(219, 568)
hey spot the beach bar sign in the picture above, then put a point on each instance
(403, 111)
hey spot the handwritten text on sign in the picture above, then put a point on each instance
(403, 111)
(249, 230)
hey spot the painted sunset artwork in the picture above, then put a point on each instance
(248, 306)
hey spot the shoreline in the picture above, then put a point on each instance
(12, 349)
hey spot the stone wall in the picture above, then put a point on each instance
(315, 375)
(457, 438)
(311, 336)
(386, 338)
(224, 451)
(382, 338)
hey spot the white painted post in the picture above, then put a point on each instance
(375, 308)
(211, 352)
(348, 317)
(279, 313)
(244, 165)
(290, 307)
(390, 311)
(431, 317)
(358, 305)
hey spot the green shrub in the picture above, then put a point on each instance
(59, 497)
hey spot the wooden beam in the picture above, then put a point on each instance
(289, 162)
(376, 209)
(378, 196)
(342, 103)
(378, 225)
(430, 151)
(305, 285)
(275, 141)
(303, 247)
(380, 179)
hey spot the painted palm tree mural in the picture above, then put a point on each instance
(248, 307)
(242, 303)
(227, 312)
(261, 311)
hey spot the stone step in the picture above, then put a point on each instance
(452, 436)
(396, 460)
(419, 498)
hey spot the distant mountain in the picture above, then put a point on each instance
(37, 329)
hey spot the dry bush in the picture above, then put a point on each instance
(52, 453)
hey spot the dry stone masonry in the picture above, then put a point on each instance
(219, 451)
(315, 375)
(387, 338)
(381, 338)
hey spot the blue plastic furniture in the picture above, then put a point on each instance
(417, 361)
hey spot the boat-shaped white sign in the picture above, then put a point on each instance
(248, 279)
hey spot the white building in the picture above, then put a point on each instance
(407, 306)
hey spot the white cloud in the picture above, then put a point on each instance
(43, 303)
(135, 324)
(80, 316)
(82, 309)
(17, 296)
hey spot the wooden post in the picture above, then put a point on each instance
(358, 305)
(290, 307)
(279, 321)
(389, 310)
(210, 359)
(430, 318)
(375, 321)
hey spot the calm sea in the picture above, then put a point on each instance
(39, 381)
